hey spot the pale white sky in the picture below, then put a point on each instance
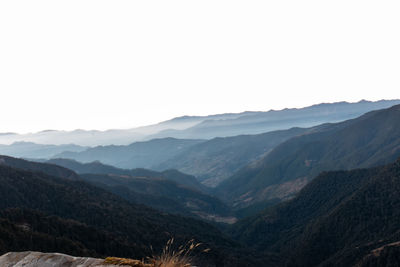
(119, 64)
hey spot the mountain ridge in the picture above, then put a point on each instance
(180, 127)
(345, 145)
(214, 160)
(142, 154)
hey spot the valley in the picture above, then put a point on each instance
(199, 133)
(320, 191)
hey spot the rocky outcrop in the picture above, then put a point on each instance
(38, 259)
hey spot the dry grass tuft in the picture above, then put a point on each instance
(176, 257)
(171, 256)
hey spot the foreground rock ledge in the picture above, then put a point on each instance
(38, 259)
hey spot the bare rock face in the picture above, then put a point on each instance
(38, 259)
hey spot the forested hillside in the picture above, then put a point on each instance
(341, 218)
(134, 225)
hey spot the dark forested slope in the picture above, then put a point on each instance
(131, 224)
(22, 230)
(340, 219)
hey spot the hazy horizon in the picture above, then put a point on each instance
(192, 115)
(99, 64)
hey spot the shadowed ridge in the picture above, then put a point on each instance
(46, 168)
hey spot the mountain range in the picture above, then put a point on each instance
(136, 155)
(211, 161)
(261, 122)
(207, 127)
(369, 140)
(33, 150)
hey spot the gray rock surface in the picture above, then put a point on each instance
(38, 259)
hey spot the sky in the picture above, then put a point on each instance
(119, 64)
